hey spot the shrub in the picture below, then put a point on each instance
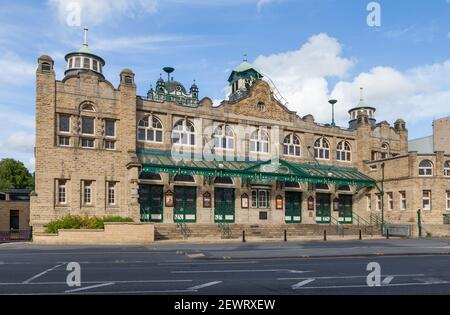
(76, 222)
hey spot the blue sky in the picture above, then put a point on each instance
(312, 50)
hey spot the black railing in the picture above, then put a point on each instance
(7, 236)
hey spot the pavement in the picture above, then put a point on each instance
(316, 267)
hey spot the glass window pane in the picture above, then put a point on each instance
(64, 123)
(110, 128)
(87, 126)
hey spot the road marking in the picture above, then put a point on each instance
(90, 287)
(201, 286)
(365, 286)
(41, 274)
(301, 284)
(387, 280)
(207, 263)
(239, 271)
(93, 282)
(431, 280)
(346, 277)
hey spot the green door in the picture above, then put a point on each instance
(293, 207)
(346, 209)
(151, 201)
(185, 204)
(323, 208)
(224, 203)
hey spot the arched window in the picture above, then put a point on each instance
(425, 168)
(322, 149)
(447, 168)
(322, 187)
(224, 137)
(344, 188)
(292, 145)
(183, 133)
(150, 129)
(223, 181)
(87, 107)
(184, 178)
(259, 141)
(385, 151)
(344, 151)
(261, 107)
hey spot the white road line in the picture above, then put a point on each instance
(207, 263)
(41, 274)
(301, 284)
(346, 277)
(387, 280)
(239, 271)
(365, 286)
(201, 286)
(92, 282)
(90, 287)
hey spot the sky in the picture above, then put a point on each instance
(313, 50)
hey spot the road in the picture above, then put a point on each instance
(247, 269)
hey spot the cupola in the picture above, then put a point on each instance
(83, 60)
(362, 109)
(242, 78)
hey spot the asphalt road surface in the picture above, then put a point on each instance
(247, 269)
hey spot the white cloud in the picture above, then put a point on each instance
(16, 71)
(303, 78)
(95, 12)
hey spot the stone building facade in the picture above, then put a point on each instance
(102, 150)
(15, 209)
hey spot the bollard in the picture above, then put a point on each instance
(360, 235)
(285, 235)
(243, 237)
(324, 235)
(387, 234)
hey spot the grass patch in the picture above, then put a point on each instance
(75, 222)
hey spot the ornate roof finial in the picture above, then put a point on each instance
(361, 93)
(85, 43)
(245, 58)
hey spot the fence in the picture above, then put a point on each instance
(15, 235)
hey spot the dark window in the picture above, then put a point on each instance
(184, 178)
(87, 143)
(223, 180)
(110, 145)
(64, 141)
(87, 63)
(150, 176)
(87, 126)
(46, 67)
(263, 215)
(64, 123)
(14, 220)
(128, 80)
(110, 128)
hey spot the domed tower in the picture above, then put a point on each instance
(194, 91)
(83, 60)
(362, 109)
(242, 78)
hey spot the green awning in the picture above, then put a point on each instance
(164, 162)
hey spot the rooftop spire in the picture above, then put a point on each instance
(85, 42)
(245, 58)
(361, 93)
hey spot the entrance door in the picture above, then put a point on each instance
(323, 208)
(346, 209)
(224, 203)
(151, 200)
(185, 204)
(293, 204)
(14, 220)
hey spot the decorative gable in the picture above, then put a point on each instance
(261, 103)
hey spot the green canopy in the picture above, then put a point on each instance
(164, 162)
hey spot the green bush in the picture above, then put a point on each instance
(75, 222)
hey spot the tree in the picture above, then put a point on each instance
(14, 175)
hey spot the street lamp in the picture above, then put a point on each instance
(332, 102)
